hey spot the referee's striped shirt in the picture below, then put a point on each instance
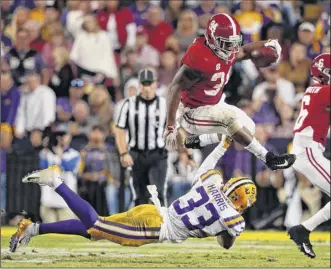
(145, 120)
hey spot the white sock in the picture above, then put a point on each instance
(257, 149)
(321, 216)
(207, 139)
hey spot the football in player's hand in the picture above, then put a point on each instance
(264, 56)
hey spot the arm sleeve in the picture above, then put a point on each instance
(123, 115)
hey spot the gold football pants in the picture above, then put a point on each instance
(138, 226)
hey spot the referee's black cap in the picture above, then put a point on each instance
(146, 75)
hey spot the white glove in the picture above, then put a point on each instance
(170, 136)
(274, 44)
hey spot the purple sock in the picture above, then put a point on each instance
(82, 209)
(72, 226)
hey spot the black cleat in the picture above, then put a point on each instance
(283, 161)
(192, 142)
(300, 235)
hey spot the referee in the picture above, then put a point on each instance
(144, 116)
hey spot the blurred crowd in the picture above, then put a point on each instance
(73, 62)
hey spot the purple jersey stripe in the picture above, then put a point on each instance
(134, 237)
(236, 223)
(131, 228)
(231, 218)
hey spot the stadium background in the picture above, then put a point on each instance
(271, 97)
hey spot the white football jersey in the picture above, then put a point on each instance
(203, 211)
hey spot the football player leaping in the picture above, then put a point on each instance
(309, 141)
(196, 90)
(208, 209)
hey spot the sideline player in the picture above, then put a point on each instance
(210, 208)
(196, 90)
(310, 131)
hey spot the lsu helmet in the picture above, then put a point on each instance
(241, 191)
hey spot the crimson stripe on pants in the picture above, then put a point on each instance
(321, 167)
(313, 164)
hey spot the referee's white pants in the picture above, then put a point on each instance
(311, 162)
(217, 118)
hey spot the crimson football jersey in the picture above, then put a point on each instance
(314, 119)
(215, 74)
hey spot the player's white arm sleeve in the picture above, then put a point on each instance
(212, 159)
(123, 115)
(131, 30)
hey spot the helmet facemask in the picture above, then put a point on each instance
(226, 48)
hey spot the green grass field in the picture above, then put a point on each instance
(252, 249)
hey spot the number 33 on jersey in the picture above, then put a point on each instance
(206, 211)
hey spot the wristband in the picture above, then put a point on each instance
(124, 153)
(171, 127)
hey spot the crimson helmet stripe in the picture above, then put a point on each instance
(234, 27)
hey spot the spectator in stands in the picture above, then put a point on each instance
(10, 99)
(306, 36)
(80, 124)
(284, 88)
(297, 68)
(92, 51)
(52, 15)
(5, 40)
(65, 72)
(39, 12)
(118, 21)
(204, 10)
(101, 110)
(22, 59)
(36, 41)
(168, 67)
(180, 174)
(64, 105)
(139, 11)
(322, 32)
(20, 16)
(10, 96)
(285, 111)
(276, 31)
(58, 152)
(130, 66)
(56, 39)
(158, 30)
(187, 29)
(6, 12)
(250, 20)
(173, 11)
(95, 171)
(36, 110)
(75, 15)
(147, 55)
(131, 88)
(222, 9)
